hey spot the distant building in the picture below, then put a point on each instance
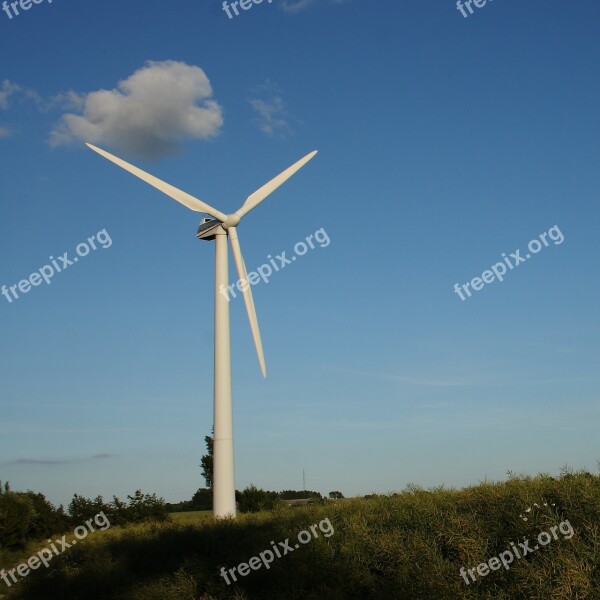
(300, 502)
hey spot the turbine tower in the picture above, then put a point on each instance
(219, 228)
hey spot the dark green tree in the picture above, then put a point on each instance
(81, 509)
(146, 507)
(253, 499)
(296, 494)
(202, 500)
(16, 516)
(207, 460)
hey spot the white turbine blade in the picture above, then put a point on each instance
(243, 275)
(257, 197)
(181, 197)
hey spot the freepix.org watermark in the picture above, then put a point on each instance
(504, 559)
(58, 265)
(266, 270)
(266, 557)
(461, 7)
(244, 4)
(500, 268)
(44, 556)
(22, 4)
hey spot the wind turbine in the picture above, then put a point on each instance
(219, 228)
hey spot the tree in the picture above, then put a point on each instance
(81, 509)
(27, 515)
(207, 460)
(298, 494)
(253, 499)
(146, 507)
(202, 500)
(336, 495)
(16, 515)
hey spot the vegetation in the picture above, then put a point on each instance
(252, 499)
(207, 460)
(201, 500)
(28, 515)
(298, 494)
(407, 545)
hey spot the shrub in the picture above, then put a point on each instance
(253, 499)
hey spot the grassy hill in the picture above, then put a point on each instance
(411, 545)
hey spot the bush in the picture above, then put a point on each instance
(16, 515)
(141, 507)
(145, 507)
(253, 499)
(27, 515)
(407, 545)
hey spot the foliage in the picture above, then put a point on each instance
(408, 545)
(298, 494)
(202, 499)
(27, 515)
(141, 507)
(253, 499)
(207, 460)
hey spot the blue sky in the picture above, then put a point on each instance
(443, 142)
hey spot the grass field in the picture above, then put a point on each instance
(411, 545)
(191, 517)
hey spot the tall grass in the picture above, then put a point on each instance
(406, 546)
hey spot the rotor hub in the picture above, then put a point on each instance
(232, 220)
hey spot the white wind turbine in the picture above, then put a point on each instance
(219, 228)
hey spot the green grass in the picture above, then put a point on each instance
(408, 546)
(191, 517)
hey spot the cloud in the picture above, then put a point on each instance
(7, 89)
(54, 461)
(65, 100)
(11, 92)
(35, 461)
(269, 106)
(295, 6)
(148, 114)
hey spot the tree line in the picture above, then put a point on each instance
(29, 515)
(251, 499)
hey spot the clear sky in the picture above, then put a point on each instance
(443, 141)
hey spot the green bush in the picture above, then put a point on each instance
(141, 507)
(253, 499)
(408, 545)
(16, 516)
(25, 516)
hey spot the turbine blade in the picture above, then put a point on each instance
(257, 197)
(181, 197)
(243, 275)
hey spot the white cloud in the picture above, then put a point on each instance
(148, 114)
(269, 105)
(295, 6)
(7, 89)
(65, 100)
